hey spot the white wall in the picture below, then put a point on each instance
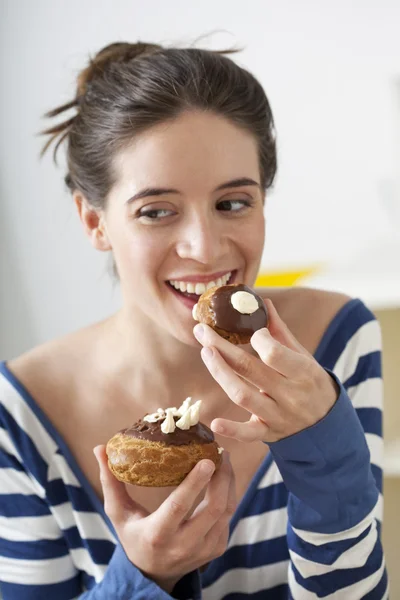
(329, 69)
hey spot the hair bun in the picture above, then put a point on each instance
(113, 53)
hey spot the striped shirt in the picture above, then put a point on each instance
(308, 526)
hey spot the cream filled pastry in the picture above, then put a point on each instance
(163, 447)
(234, 311)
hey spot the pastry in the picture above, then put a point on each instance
(162, 448)
(234, 311)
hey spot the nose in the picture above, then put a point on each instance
(201, 240)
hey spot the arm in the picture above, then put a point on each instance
(334, 502)
(35, 561)
(319, 443)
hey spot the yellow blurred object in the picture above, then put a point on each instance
(283, 278)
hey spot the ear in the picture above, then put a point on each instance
(93, 223)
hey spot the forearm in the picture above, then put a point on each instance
(123, 579)
(333, 534)
(61, 580)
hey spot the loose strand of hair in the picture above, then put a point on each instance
(59, 109)
(55, 131)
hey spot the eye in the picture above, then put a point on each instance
(155, 214)
(233, 205)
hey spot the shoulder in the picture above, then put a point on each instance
(50, 361)
(307, 312)
(37, 391)
(51, 372)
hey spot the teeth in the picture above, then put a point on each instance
(194, 313)
(199, 288)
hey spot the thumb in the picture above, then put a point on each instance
(280, 331)
(118, 504)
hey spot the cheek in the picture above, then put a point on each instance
(253, 237)
(139, 254)
(261, 233)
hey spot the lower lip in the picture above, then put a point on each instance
(191, 301)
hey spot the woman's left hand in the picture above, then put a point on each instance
(285, 392)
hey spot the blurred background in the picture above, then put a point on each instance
(332, 73)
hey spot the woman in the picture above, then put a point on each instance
(170, 155)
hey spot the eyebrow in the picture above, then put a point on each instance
(153, 191)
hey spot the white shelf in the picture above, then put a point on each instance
(391, 462)
(373, 275)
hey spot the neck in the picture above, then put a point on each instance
(156, 369)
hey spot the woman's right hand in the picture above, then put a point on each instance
(170, 542)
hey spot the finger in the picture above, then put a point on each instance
(250, 431)
(280, 331)
(174, 510)
(222, 542)
(289, 363)
(219, 534)
(239, 391)
(118, 505)
(199, 499)
(232, 499)
(244, 364)
(215, 502)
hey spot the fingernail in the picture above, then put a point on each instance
(96, 452)
(264, 332)
(198, 332)
(207, 468)
(207, 353)
(217, 428)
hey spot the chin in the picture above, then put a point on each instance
(183, 332)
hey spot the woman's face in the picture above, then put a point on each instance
(186, 212)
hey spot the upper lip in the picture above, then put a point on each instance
(201, 278)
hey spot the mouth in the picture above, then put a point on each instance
(189, 292)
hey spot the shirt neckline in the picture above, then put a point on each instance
(60, 442)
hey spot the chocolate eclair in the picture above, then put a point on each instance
(162, 448)
(234, 311)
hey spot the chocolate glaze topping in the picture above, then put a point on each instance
(197, 434)
(229, 319)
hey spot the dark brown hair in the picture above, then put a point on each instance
(127, 88)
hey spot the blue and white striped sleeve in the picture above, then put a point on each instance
(35, 560)
(333, 472)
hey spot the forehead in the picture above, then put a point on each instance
(196, 150)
